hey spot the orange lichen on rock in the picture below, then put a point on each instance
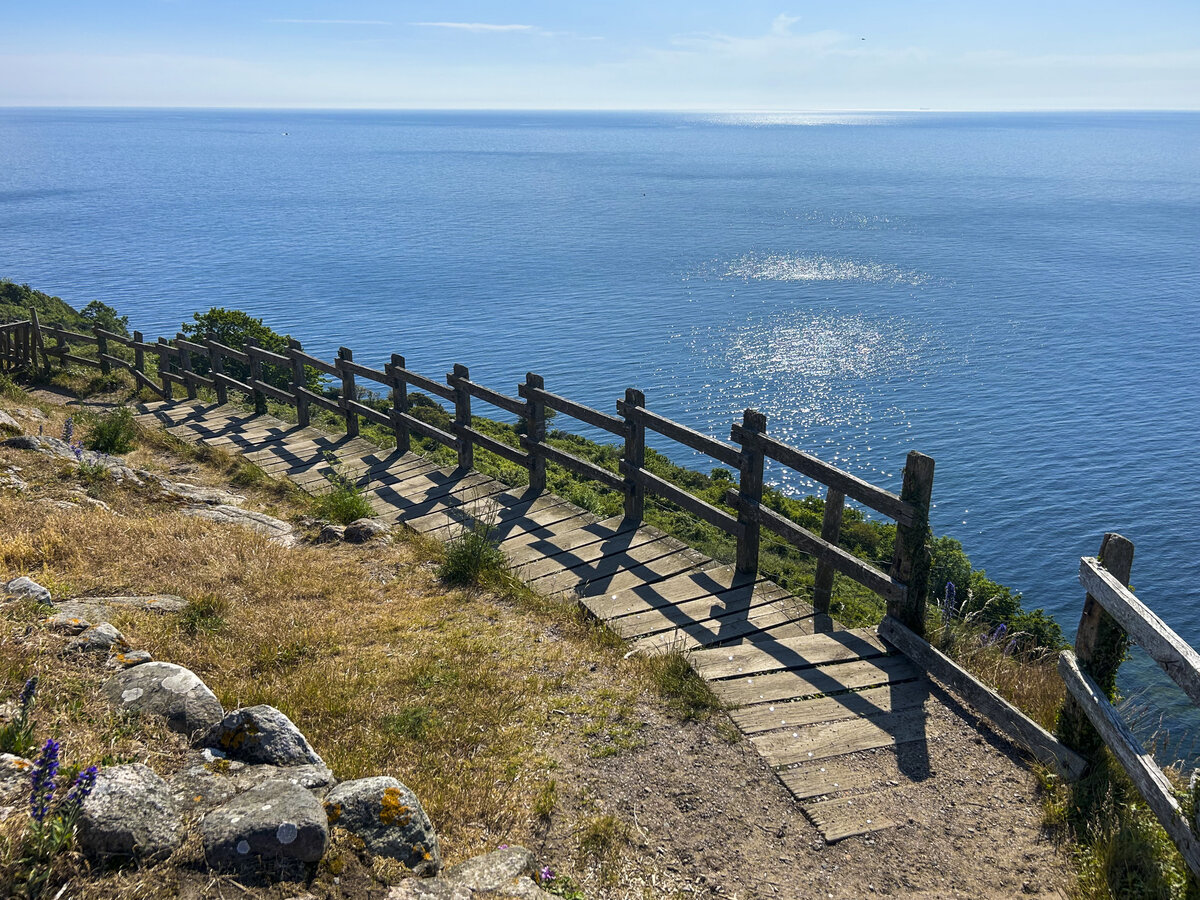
(391, 809)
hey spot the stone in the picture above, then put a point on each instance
(128, 659)
(14, 778)
(25, 588)
(261, 734)
(68, 621)
(273, 821)
(102, 638)
(496, 871)
(9, 424)
(389, 819)
(95, 610)
(130, 812)
(10, 479)
(167, 690)
(362, 530)
(22, 442)
(429, 889)
(331, 534)
(209, 779)
(182, 491)
(277, 530)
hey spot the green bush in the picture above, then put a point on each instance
(112, 432)
(344, 503)
(232, 327)
(472, 559)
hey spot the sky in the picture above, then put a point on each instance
(615, 54)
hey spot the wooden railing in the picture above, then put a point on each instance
(1112, 617)
(903, 586)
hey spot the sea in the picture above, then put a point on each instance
(1014, 294)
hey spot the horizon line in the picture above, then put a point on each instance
(605, 109)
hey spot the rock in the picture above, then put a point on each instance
(130, 812)
(362, 530)
(277, 530)
(129, 659)
(22, 442)
(276, 820)
(14, 777)
(496, 871)
(25, 588)
(67, 619)
(101, 638)
(100, 609)
(209, 779)
(115, 467)
(167, 690)
(389, 819)
(11, 480)
(331, 534)
(198, 494)
(261, 734)
(9, 424)
(65, 505)
(429, 889)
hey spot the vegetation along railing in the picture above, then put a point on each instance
(290, 378)
(1112, 616)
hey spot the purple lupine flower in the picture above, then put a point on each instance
(84, 782)
(77, 449)
(69, 429)
(45, 770)
(951, 598)
(28, 691)
(1011, 648)
(997, 635)
(545, 874)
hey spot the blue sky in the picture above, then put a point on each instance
(617, 54)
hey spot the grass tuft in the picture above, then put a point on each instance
(344, 502)
(112, 432)
(472, 559)
(687, 695)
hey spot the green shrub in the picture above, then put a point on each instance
(345, 502)
(112, 432)
(472, 558)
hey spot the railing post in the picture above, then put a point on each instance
(750, 487)
(399, 403)
(185, 366)
(535, 430)
(216, 367)
(139, 355)
(1100, 647)
(164, 366)
(635, 457)
(346, 355)
(255, 369)
(299, 383)
(38, 343)
(462, 415)
(61, 347)
(831, 528)
(910, 561)
(102, 350)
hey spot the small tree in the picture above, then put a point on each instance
(232, 327)
(99, 314)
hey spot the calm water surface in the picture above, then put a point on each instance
(1015, 295)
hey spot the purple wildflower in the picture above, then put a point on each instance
(545, 874)
(1011, 648)
(28, 691)
(69, 430)
(77, 449)
(951, 598)
(996, 636)
(45, 770)
(84, 782)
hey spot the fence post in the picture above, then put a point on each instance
(4, 365)
(185, 366)
(139, 355)
(750, 487)
(910, 561)
(635, 457)
(255, 368)
(102, 350)
(399, 403)
(38, 343)
(346, 355)
(831, 528)
(164, 366)
(1100, 647)
(462, 415)
(216, 367)
(299, 383)
(535, 430)
(60, 347)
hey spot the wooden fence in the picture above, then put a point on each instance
(1112, 617)
(903, 586)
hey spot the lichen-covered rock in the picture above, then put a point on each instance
(25, 588)
(429, 889)
(389, 819)
(130, 812)
(331, 534)
(277, 530)
(54, 447)
(9, 424)
(276, 820)
(261, 734)
(21, 442)
(497, 871)
(184, 492)
(167, 690)
(14, 777)
(209, 779)
(102, 638)
(362, 530)
(94, 610)
(127, 659)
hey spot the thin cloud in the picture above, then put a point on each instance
(473, 26)
(327, 22)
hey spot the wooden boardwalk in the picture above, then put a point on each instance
(839, 714)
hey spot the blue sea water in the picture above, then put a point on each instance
(1013, 294)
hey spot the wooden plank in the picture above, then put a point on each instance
(831, 476)
(501, 449)
(584, 414)
(651, 619)
(1172, 654)
(823, 551)
(1014, 723)
(846, 817)
(718, 450)
(774, 620)
(787, 747)
(528, 521)
(681, 589)
(563, 540)
(582, 546)
(682, 498)
(424, 429)
(271, 391)
(254, 351)
(489, 510)
(368, 412)
(848, 774)
(318, 399)
(487, 395)
(313, 362)
(231, 382)
(826, 679)
(846, 705)
(224, 349)
(608, 581)
(1151, 783)
(473, 488)
(760, 656)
